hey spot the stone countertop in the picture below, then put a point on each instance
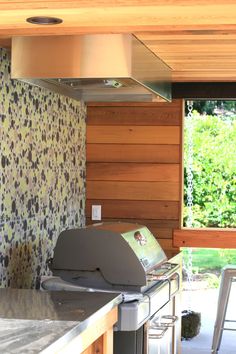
(33, 321)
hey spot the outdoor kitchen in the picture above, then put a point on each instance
(92, 104)
(152, 288)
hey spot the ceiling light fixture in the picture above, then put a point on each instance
(44, 20)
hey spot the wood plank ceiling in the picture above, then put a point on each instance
(197, 39)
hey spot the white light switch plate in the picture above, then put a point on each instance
(96, 212)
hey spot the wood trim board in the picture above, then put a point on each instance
(208, 238)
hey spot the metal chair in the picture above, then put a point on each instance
(228, 276)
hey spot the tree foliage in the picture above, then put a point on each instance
(214, 171)
(214, 107)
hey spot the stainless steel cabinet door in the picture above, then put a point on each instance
(161, 331)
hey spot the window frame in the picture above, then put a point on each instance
(199, 237)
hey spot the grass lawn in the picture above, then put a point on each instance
(210, 259)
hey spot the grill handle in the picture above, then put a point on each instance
(158, 335)
(157, 322)
(165, 276)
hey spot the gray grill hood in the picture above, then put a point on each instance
(106, 67)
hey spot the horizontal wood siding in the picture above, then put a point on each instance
(133, 153)
(133, 190)
(135, 172)
(128, 115)
(123, 209)
(130, 134)
(134, 165)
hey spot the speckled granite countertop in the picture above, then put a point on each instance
(34, 321)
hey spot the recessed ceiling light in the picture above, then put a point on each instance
(44, 20)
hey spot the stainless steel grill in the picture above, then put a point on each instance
(126, 258)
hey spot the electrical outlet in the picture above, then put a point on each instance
(96, 212)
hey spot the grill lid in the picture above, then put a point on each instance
(108, 255)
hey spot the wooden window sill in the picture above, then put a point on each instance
(205, 238)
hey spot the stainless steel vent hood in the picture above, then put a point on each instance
(106, 67)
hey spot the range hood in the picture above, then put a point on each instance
(105, 67)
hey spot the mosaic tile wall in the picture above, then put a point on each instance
(42, 176)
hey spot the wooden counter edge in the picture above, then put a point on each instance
(97, 338)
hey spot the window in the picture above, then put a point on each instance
(210, 164)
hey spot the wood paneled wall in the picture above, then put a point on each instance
(134, 159)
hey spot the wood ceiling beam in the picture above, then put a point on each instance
(204, 90)
(195, 38)
(122, 16)
(5, 43)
